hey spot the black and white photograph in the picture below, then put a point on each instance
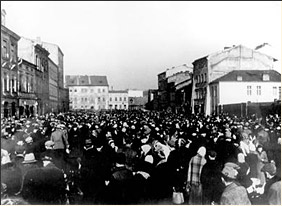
(141, 102)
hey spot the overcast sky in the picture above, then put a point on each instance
(131, 42)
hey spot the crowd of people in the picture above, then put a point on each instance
(140, 157)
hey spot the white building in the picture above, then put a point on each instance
(216, 65)
(255, 86)
(88, 92)
(118, 99)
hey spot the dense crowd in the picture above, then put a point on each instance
(140, 157)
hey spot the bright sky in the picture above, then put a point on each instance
(131, 42)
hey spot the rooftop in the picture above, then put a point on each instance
(85, 80)
(250, 76)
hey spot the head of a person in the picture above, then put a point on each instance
(202, 151)
(269, 169)
(229, 172)
(241, 158)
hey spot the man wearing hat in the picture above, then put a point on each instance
(233, 194)
(272, 189)
(44, 185)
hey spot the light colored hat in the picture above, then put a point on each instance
(149, 158)
(29, 158)
(28, 139)
(49, 143)
(202, 151)
(230, 170)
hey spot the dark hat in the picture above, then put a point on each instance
(46, 158)
(270, 168)
(120, 158)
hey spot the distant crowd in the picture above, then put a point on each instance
(141, 157)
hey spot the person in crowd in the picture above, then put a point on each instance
(263, 159)
(233, 194)
(61, 144)
(193, 176)
(211, 180)
(272, 188)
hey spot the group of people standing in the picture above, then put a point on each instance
(140, 157)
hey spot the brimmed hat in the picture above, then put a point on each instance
(28, 139)
(230, 170)
(270, 168)
(29, 158)
(46, 158)
(49, 143)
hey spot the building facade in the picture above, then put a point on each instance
(167, 82)
(214, 66)
(88, 92)
(250, 86)
(33, 52)
(53, 87)
(118, 100)
(9, 71)
(27, 91)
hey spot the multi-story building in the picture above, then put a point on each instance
(9, 70)
(88, 92)
(57, 56)
(33, 52)
(28, 100)
(166, 86)
(253, 86)
(53, 87)
(118, 99)
(214, 66)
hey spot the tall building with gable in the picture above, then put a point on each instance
(88, 92)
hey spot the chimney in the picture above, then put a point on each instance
(38, 40)
(3, 17)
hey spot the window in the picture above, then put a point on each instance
(239, 78)
(120, 99)
(124, 98)
(265, 77)
(205, 77)
(202, 77)
(82, 99)
(85, 99)
(280, 93)
(5, 48)
(75, 90)
(70, 90)
(13, 52)
(115, 98)
(259, 90)
(99, 90)
(103, 90)
(124, 106)
(120, 106)
(92, 90)
(274, 91)
(110, 99)
(249, 90)
(104, 99)
(99, 99)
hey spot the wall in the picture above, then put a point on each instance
(87, 97)
(53, 86)
(118, 100)
(236, 92)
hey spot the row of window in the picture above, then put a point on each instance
(120, 99)
(258, 91)
(83, 90)
(99, 99)
(100, 107)
(201, 78)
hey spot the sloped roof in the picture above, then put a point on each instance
(118, 91)
(79, 80)
(250, 76)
